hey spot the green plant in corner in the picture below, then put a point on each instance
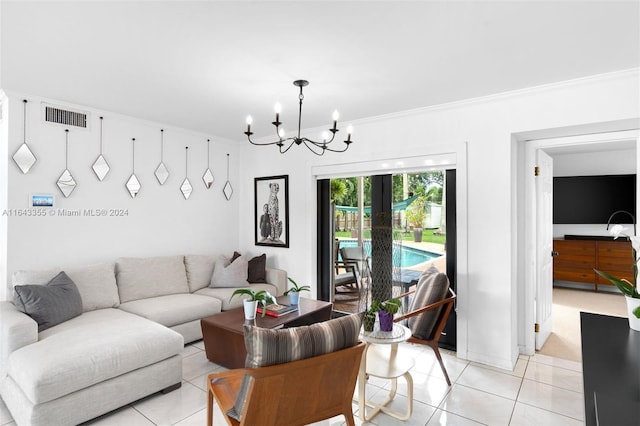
(261, 296)
(629, 289)
(296, 288)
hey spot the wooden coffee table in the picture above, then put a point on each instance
(223, 333)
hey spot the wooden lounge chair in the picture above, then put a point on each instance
(280, 394)
(429, 311)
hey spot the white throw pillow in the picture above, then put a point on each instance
(228, 274)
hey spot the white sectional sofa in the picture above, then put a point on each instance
(137, 314)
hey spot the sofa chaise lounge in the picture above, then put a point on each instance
(137, 314)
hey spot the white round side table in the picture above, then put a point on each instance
(381, 359)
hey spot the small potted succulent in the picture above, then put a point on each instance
(369, 319)
(294, 292)
(251, 304)
(386, 310)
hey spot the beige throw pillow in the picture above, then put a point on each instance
(227, 274)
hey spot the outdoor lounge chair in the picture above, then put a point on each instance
(346, 281)
(432, 303)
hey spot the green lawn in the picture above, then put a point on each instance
(427, 235)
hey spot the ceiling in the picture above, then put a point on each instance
(206, 65)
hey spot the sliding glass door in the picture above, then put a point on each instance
(402, 223)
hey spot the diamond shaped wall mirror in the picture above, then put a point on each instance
(207, 178)
(24, 157)
(186, 187)
(66, 182)
(133, 184)
(162, 173)
(100, 166)
(227, 190)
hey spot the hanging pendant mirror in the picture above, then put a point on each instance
(23, 156)
(133, 184)
(227, 190)
(100, 166)
(207, 178)
(162, 173)
(186, 187)
(66, 182)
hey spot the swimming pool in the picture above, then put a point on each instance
(409, 256)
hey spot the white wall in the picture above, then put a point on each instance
(489, 284)
(159, 221)
(621, 162)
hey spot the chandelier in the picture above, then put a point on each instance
(284, 144)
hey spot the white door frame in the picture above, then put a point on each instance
(530, 249)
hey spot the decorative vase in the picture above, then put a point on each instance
(368, 322)
(294, 297)
(386, 321)
(634, 322)
(250, 307)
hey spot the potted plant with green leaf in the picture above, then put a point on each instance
(294, 292)
(369, 319)
(629, 289)
(416, 216)
(386, 310)
(251, 303)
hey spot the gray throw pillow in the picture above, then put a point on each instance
(51, 304)
(230, 274)
(432, 287)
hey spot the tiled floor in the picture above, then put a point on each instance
(540, 391)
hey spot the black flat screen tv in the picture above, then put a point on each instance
(592, 199)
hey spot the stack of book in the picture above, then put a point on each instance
(276, 310)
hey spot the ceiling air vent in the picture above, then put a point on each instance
(65, 117)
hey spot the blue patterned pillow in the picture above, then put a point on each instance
(268, 347)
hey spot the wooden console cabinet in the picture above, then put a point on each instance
(575, 260)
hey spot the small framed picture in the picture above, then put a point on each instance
(272, 211)
(41, 200)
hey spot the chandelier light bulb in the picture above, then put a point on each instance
(325, 136)
(249, 121)
(281, 133)
(349, 131)
(278, 108)
(336, 115)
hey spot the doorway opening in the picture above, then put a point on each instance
(584, 155)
